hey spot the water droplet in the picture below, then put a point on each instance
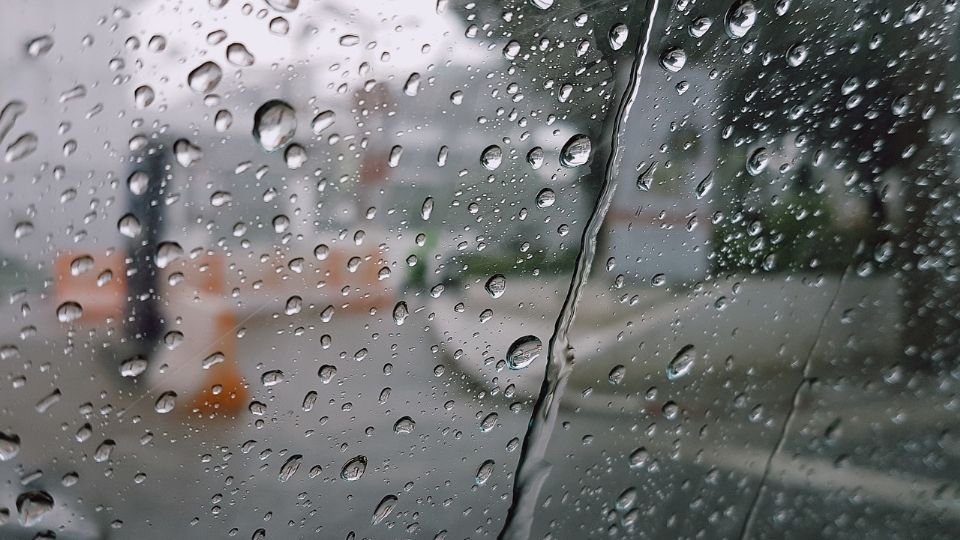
(484, 472)
(705, 185)
(427, 208)
(104, 451)
(617, 374)
(279, 26)
(412, 86)
(618, 36)
(673, 59)
(321, 252)
(700, 26)
(129, 226)
(186, 152)
(22, 229)
(349, 40)
(143, 96)
(222, 120)
(274, 124)
(758, 161)
(523, 351)
(383, 510)
(205, 77)
(489, 422)
(285, 6)
(81, 265)
(395, 153)
(212, 360)
(295, 156)
(32, 506)
(576, 151)
(166, 402)
(39, 46)
(322, 121)
(133, 367)
(404, 425)
(491, 157)
(157, 43)
(496, 285)
(22, 147)
(9, 446)
(167, 253)
(353, 469)
(542, 4)
(797, 54)
(400, 312)
(69, 311)
(327, 373)
(511, 50)
(272, 377)
(535, 157)
(546, 198)
(238, 55)
(740, 18)
(290, 467)
(682, 362)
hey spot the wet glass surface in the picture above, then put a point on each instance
(441, 269)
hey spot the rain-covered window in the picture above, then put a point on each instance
(449, 269)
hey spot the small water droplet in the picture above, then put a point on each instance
(143, 96)
(129, 226)
(412, 86)
(104, 451)
(322, 121)
(81, 265)
(9, 446)
(400, 312)
(272, 377)
(511, 50)
(617, 374)
(489, 422)
(279, 26)
(285, 6)
(22, 147)
(327, 373)
(39, 46)
(496, 285)
(700, 26)
(427, 208)
(797, 54)
(133, 367)
(295, 156)
(395, 154)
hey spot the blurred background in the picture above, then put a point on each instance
(292, 268)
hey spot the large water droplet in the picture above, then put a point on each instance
(400, 312)
(404, 425)
(492, 157)
(384, 508)
(274, 124)
(272, 377)
(69, 311)
(740, 18)
(9, 446)
(285, 6)
(412, 86)
(546, 198)
(238, 55)
(290, 467)
(673, 59)
(682, 362)
(576, 151)
(129, 226)
(22, 147)
(167, 253)
(496, 285)
(797, 54)
(32, 506)
(39, 46)
(484, 472)
(166, 402)
(618, 36)
(427, 208)
(143, 96)
(353, 469)
(523, 351)
(700, 26)
(758, 161)
(186, 152)
(322, 121)
(205, 77)
(489, 422)
(133, 367)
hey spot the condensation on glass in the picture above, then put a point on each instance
(529, 269)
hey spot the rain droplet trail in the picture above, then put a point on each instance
(533, 469)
